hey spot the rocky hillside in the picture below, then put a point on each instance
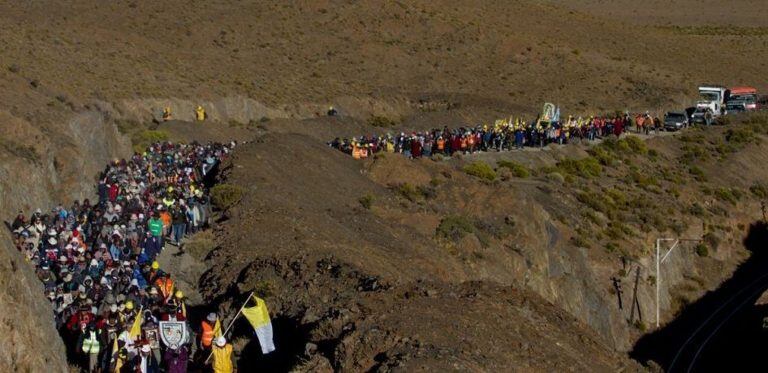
(564, 222)
(80, 83)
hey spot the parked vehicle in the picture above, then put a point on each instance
(713, 98)
(674, 121)
(735, 106)
(742, 99)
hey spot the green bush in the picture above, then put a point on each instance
(702, 250)
(730, 195)
(697, 173)
(367, 201)
(741, 136)
(556, 177)
(611, 247)
(224, 196)
(759, 190)
(408, 191)
(636, 144)
(517, 169)
(381, 121)
(588, 167)
(696, 209)
(455, 227)
(481, 170)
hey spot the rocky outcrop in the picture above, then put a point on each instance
(41, 165)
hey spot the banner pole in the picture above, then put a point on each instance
(230, 324)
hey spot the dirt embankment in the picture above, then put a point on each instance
(70, 69)
(317, 232)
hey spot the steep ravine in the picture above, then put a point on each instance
(40, 169)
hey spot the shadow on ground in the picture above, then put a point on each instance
(733, 339)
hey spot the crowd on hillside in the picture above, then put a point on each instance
(503, 135)
(97, 261)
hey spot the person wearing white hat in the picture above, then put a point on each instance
(222, 356)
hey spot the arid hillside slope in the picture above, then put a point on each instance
(79, 79)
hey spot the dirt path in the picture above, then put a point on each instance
(185, 270)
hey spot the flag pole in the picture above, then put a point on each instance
(230, 324)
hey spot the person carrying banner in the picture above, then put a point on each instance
(222, 356)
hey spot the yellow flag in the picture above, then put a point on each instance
(217, 329)
(257, 315)
(136, 327)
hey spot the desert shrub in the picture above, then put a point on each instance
(697, 173)
(556, 177)
(696, 209)
(200, 244)
(366, 201)
(224, 196)
(596, 201)
(455, 227)
(617, 230)
(603, 156)
(693, 152)
(580, 241)
(408, 191)
(642, 179)
(730, 195)
(380, 121)
(517, 169)
(588, 167)
(480, 170)
(702, 250)
(741, 136)
(759, 190)
(636, 145)
(611, 247)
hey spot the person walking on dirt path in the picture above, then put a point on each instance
(90, 345)
(222, 356)
(207, 332)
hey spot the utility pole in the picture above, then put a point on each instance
(660, 260)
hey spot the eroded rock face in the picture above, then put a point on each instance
(30, 341)
(40, 166)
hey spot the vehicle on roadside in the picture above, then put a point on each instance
(713, 97)
(742, 99)
(703, 115)
(735, 107)
(675, 121)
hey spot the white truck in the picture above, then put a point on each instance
(712, 98)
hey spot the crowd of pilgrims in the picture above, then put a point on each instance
(503, 135)
(97, 260)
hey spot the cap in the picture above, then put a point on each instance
(155, 265)
(211, 317)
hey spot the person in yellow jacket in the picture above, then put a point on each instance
(222, 356)
(167, 113)
(200, 113)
